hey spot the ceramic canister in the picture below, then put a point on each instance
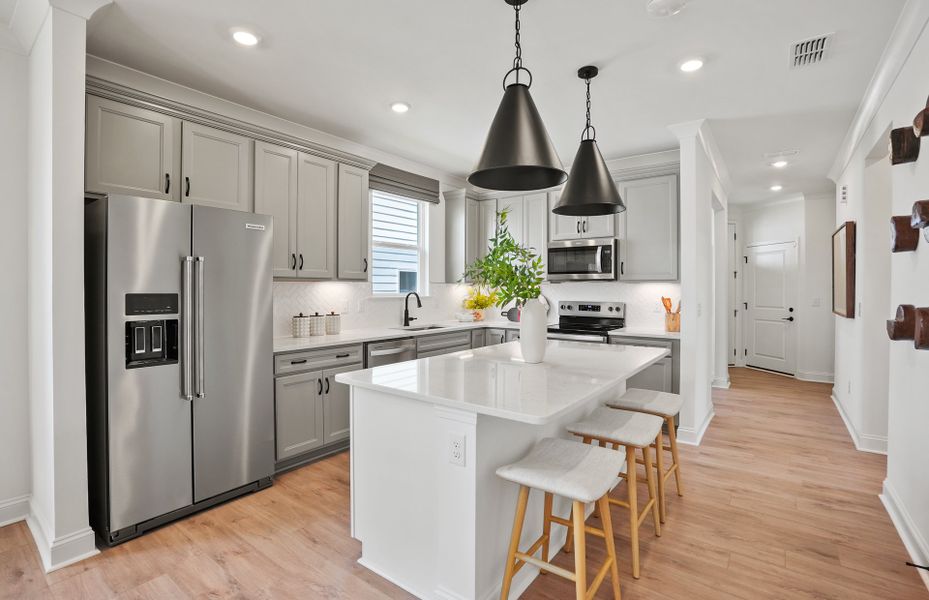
(300, 326)
(333, 323)
(317, 324)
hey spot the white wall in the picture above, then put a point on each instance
(14, 396)
(906, 488)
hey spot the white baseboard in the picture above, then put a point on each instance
(875, 444)
(721, 383)
(693, 437)
(63, 551)
(914, 542)
(14, 510)
(815, 376)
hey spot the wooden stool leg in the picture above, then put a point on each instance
(546, 527)
(514, 541)
(672, 434)
(659, 460)
(652, 493)
(569, 541)
(580, 551)
(632, 484)
(604, 504)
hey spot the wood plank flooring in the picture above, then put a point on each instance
(779, 505)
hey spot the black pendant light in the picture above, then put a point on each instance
(518, 154)
(590, 190)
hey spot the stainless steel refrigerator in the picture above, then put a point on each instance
(180, 391)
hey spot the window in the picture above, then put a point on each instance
(397, 244)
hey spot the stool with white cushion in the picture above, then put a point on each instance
(581, 473)
(667, 406)
(629, 431)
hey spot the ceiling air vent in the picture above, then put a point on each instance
(809, 52)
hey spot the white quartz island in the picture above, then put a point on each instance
(427, 437)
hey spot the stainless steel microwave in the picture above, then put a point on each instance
(581, 260)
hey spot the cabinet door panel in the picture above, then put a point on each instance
(561, 227)
(535, 218)
(655, 377)
(649, 230)
(515, 217)
(131, 151)
(599, 227)
(512, 335)
(217, 168)
(494, 337)
(336, 405)
(276, 195)
(354, 213)
(298, 402)
(473, 240)
(316, 217)
(488, 211)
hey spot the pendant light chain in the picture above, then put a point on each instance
(518, 61)
(588, 129)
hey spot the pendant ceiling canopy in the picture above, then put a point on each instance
(518, 154)
(590, 190)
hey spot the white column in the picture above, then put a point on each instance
(721, 297)
(58, 509)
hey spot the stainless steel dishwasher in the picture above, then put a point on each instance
(389, 352)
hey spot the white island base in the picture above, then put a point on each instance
(438, 525)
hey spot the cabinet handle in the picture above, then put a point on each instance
(187, 184)
(578, 226)
(319, 386)
(298, 362)
(366, 265)
(585, 226)
(346, 355)
(622, 267)
(327, 385)
(294, 258)
(167, 182)
(301, 261)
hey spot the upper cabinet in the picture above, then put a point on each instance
(575, 228)
(276, 196)
(131, 151)
(464, 236)
(354, 211)
(527, 220)
(217, 168)
(648, 229)
(487, 214)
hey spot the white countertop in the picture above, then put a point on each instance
(495, 381)
(374, 334)
(646, 333)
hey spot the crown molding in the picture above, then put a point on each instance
(701, 130)
(906, 33)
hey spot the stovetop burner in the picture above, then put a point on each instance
(589, 318)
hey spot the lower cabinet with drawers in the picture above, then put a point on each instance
(311, 410)
(442, 343)
(664, 375)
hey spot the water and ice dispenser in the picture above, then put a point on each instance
(151, 341)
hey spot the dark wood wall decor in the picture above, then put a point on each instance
(904, 237)
(843, 270)
(904, 146)
(921, 329)
(920, 123)
(904, 326)
(920, 217)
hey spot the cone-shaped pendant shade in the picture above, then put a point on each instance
(590, 190)
(518, 154)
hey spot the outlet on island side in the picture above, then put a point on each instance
(456, 449)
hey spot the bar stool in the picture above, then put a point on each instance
(632, 431)
(667, 406)
(582, 474)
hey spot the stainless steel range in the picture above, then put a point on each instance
(588, 321)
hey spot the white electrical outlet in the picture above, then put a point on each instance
(456, 449)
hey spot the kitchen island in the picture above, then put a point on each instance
(427, 437)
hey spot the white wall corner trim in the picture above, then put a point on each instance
(909, 28)
(875, 444)
(14, 510)
(693, 437)
(915, 544)
(700, 129)
(815, 377)
(721, 383)
(60, 552)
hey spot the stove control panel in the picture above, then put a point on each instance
(571, 308)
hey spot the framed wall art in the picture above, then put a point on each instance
(843, 270)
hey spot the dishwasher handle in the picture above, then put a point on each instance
(390, 351)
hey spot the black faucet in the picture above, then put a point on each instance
(406, 308)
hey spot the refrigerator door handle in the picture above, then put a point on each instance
(187, 330)
(201, 391)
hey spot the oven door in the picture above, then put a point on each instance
(582, 260)
(593, 338)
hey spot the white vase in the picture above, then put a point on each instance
(533, 330)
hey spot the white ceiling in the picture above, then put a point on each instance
(6, 10)
(338, 65)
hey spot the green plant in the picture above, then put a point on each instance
(513, 270)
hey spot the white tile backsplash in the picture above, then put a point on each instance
(359, 309)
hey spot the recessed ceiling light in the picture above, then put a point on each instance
(400, 107)
(689, 66)
(244, 38)
(776, 188)
(664, 8)
(779, 164)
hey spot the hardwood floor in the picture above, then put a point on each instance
(779, 505)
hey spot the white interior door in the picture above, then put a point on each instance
(732, 298)
(771, 298)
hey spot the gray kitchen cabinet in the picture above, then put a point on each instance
(512, 335)
(217, 168)
(276, 195)
(527, 220)
(494, 336)
(658, 376)
(463, 233)
(515, 215)
(487, 210)
(353, 216)
(648, 230)
(316, 217)
(131, 151)
(576, 228)
(298, 402)
(443, 343)
(478, 337)
(336, 405)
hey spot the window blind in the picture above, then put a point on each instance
(384, 178)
